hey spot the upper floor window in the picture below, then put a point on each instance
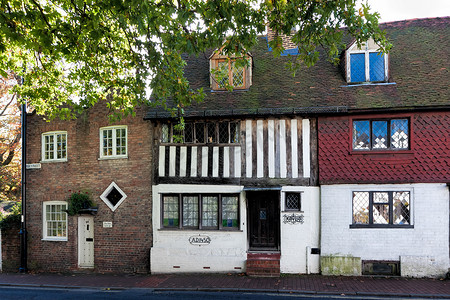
(391, 134)
(381, 208)
(54, 146)
(55, 221)
(223, 132)
(113, 142)
(230, 72)
(366, 64)
(200, 211)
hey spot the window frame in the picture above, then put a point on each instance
(366, 51)
(45, 237)
(391, 208)
(218, 58)
(389, 150)
(200, 226)
(286, 209)
(114, 142)
(55, 148)
(205, 133)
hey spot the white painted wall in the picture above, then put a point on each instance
(298, 239)
(422, 250)
(172, 252)
(227, 252)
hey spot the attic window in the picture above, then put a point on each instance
(366, 64)
(230, 72)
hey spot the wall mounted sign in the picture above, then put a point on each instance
(33, 166)
(107, 224)
(293, 219)
(200, 240)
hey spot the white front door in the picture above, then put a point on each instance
(86, 242)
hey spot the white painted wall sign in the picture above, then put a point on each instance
(199, 240)
(33, 166)
(107, 224)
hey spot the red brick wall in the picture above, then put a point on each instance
(10, 249)
(124, 247)
(427, 161)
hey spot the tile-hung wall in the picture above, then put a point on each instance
(270, 148)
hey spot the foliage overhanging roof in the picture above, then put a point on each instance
(419, 79)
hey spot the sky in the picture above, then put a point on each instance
(397, 10)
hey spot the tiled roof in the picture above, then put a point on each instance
(419, 78)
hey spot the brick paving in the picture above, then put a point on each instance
(395, 286)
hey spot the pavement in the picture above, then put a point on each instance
(300, 284)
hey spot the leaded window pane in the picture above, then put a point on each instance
(293, 201)
(199, 133)
(360, 208)
(211, 127)
(399, 134)
(401, 208)
(222, 74)
(210, 212)
(361, 135)
(234, 133)
(238, 75)
(165, 133)
(190, 211)
(376, 64)
(223, 132)
(188, 132)
(358, 67)
(379, 135)
(230, 211)
(171, 211)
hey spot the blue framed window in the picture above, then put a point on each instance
(376, 67)
(358, 67)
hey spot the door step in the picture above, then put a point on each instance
(263, 264)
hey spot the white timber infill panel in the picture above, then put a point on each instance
(215, 171)
(427, 243)
(283, 167)
(194, 161)
(260, 148)
(237, 162)
(294, 150)
(172, 251)
(172, 161)
(204, 161)
(248, 148)
(271, 148)
(183, 160)
(306, 148)
(162, 161)
(226, 162)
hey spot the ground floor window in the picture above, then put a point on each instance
(200, 211)
(55, 220)
(381, 209)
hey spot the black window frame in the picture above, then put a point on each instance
(388, 134)
(391, 224)
(200, 226)
(195, 139)
(299, 202)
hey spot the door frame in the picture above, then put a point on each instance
(276, 220)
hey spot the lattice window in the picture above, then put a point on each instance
(170, 209)
(212, 133)
(222, 74)
(224, 136)
(200, 133)
(377, 69)
(381, 134)
(190, 211)
(358, 67)
(229, 73)
(293, 201)
(230, 211)
(165, 133)
(381, 208)
(238, 75)
(189, 132)
(210, 211)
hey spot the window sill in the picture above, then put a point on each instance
(350, 84)
(55, 239)
(387, 151)
(53, 161)
(293, 211)
(112, 157)
(382, 226)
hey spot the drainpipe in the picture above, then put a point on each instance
(23, 227)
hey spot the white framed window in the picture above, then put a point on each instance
(55, 221)
(113, 196)
(366, 64)
(113, 142)
(54, 146)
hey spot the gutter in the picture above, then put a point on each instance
(23, 227)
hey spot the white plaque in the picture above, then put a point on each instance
(107, 224)
(33, 166)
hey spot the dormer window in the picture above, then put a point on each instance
(366, 63)
(230, 72)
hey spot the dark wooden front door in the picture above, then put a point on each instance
(264, 219)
